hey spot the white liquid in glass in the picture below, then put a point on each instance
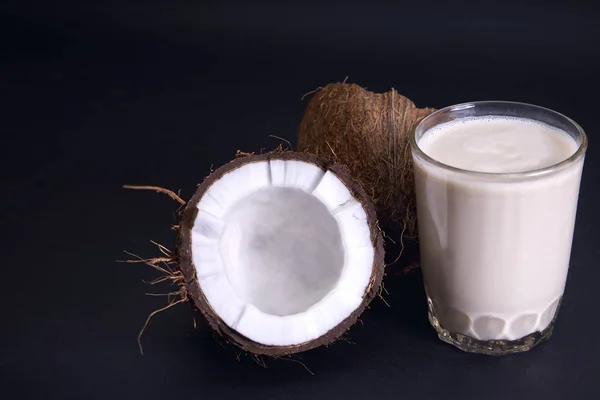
(495, 252)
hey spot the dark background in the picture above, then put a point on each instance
(101, 94)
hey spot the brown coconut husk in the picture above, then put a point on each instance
(369, 134)
(178, 267)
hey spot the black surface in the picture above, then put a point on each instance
(97, 96)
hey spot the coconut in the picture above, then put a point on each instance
(281, 252)
(369, 134)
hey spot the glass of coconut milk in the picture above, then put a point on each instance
(497, 186)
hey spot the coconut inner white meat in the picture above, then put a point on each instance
(282, 251)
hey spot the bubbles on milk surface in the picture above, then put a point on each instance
(497, 144)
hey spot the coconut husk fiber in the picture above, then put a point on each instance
(368, 133)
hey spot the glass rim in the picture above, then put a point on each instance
(578, 154)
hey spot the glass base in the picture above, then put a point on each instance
(491, 347)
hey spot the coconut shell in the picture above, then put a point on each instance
(192, 286)
(368, 133)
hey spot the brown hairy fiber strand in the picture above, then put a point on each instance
(368, 133)
(168, 274)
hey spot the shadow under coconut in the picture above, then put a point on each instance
(230, 365)
(403, 288)
(407, 304)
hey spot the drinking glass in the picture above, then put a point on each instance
(495, 247)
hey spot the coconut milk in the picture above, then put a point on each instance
(495, 247)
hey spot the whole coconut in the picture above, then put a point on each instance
(368, 133)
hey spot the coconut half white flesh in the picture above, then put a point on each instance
(282, 251)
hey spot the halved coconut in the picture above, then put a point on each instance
(281, 252)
